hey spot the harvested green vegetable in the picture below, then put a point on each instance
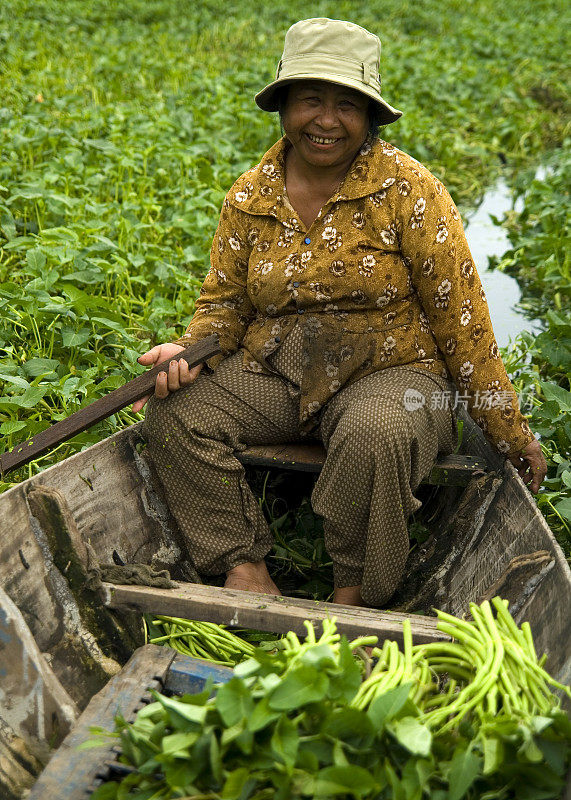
(473, 718)
(199, 639)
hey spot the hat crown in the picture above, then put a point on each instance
(333, 37)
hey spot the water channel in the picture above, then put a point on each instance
(485, 240)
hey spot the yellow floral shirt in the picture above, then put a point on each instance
(383, 277)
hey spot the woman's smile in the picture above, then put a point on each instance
(322, 140)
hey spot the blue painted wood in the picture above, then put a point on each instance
(188, 675)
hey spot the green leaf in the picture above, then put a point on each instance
(493, 754)
(554, 392)
(39, 366)
(181, 714)
(409, 732)
(36, 260)
(464, 768)
(110, 323)
(530, 751)
(555, 754)
(177, 776)
(11, 426)
(234, 702)
(8, 225)
(262, 715)
(301, 686)
(215, 758)
(346, 680)
(563, 507)
(15, 380)
(285, 741)
(235, 783)
(556, 351)
(350, 725)
(107, 791)
(320, 656)
(30, 398)
(353, 780)
(73, 338)
(177, 744)
(386, 706)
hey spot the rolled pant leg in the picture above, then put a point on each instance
(192, 435)
(378, 451)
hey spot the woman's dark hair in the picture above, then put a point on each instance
(373, 111)
(375, 118)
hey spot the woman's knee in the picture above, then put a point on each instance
(169, 416)
(373, 421)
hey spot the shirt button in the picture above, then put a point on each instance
(307, 240)
(301, 310)
(295, 284)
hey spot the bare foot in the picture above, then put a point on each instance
(348, 596)
(251, 577)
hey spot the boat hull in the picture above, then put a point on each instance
(493, 540)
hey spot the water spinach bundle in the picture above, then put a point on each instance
(471, 718)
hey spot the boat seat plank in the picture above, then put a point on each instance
(450, 470)
(266, 612)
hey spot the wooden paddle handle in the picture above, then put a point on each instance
(102, 408)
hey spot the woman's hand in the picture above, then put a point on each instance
(178, 374)
(531, 465)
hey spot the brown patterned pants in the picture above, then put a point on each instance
(378, 451)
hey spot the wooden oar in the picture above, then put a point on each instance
(104, 407)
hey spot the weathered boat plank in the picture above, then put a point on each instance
(265, 612)
(112, 501)
(34, 707)
(124, 694)
(501, 524)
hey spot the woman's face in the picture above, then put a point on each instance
(326, 123)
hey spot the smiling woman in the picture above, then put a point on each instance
(340, 283)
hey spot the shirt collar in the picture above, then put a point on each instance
(261, 189)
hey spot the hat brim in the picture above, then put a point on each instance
(267, 99)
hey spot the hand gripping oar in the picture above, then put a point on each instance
(104, 407)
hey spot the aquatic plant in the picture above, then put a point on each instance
(540, 365)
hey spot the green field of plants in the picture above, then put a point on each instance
(123, 125)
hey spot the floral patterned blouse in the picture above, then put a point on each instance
(383, 277)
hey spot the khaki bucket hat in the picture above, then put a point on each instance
(330, 50)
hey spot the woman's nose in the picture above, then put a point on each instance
(327, 116)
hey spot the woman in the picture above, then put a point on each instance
(348, 309)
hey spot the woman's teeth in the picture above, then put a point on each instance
(320, 139)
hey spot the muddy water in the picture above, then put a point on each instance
(486, 239)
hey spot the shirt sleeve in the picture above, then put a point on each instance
(223, 306)
(450, 291)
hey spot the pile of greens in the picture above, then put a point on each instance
(470, 718)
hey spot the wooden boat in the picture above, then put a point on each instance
(61, 638)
